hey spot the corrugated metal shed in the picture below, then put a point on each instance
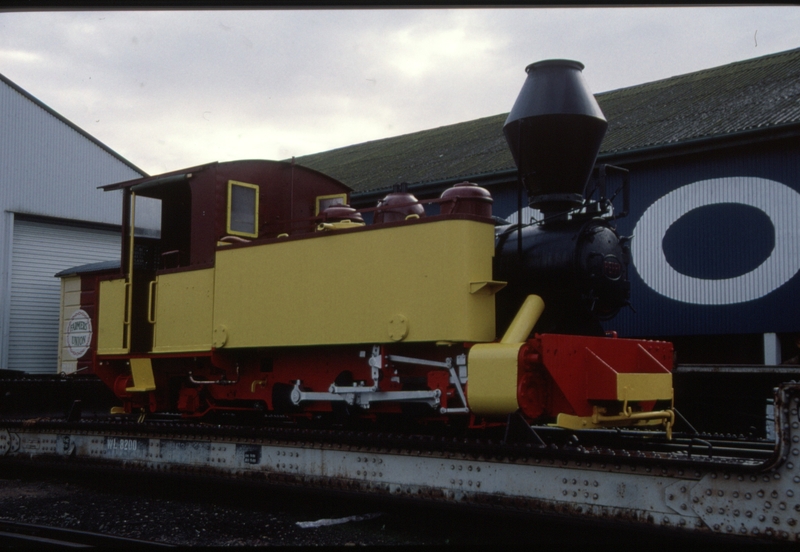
(52, 168)
(49, 169)
(715, 242)
(41, 250)
(757, 94)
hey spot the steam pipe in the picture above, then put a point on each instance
(526, 318)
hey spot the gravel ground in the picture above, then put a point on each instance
(194, 513)
(197, 513)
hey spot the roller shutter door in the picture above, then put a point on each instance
(39, 251)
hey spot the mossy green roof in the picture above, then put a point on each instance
(760, 93)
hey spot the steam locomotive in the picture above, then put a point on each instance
(267, 292)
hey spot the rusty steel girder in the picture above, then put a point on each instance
(751, 498)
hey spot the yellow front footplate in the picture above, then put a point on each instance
(599, 420)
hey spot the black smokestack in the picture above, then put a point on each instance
(554, 131)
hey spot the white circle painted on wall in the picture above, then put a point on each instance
(529, 215)
(78, 333)
(779, 202)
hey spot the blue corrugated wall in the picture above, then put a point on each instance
(716, 247)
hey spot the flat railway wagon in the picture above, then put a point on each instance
(436, 352)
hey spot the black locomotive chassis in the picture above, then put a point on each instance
(703, 485)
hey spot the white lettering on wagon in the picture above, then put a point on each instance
(779, 202)
(78, 333)
(121, 445)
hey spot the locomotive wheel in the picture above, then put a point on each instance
(412, 411)
(282, 399)
(343, 412)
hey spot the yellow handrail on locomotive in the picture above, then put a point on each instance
(129, 276)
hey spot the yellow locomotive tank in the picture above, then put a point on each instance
(417, 281)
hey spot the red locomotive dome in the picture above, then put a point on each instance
(398, 205)
(467, 198)
(338, 213)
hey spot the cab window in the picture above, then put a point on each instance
(242, 209)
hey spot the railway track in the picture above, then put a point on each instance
(126, 435)
(28, 535)
(704, 484)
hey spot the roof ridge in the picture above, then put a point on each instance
(47, 109)
(709, 72)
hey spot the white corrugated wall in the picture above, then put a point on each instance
(49, 168)
(39, 251)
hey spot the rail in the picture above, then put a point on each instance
(21, 535)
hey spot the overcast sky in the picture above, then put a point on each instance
(169, 90)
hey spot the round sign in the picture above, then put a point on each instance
(78, 334)
(778, 202)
